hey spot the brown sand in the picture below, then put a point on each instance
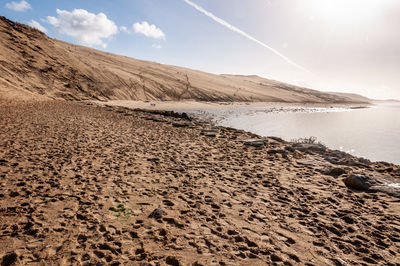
(79, 182)
(32, 65)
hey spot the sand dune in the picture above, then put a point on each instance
(32, 64)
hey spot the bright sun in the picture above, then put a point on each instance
(347, 12)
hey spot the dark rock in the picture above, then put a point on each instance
(157, 213)
(133, 234)
(170, 260)
(9, 259)
(99, 254)
(85, 257)
(359, 182)
(168, 203)
(239, 239)
(254, 142)
(277, 140)
(232, 232)
(209, 132)
(315, 147)
(181, 124)
(185, 116)
(162, 232)
(82, 238)
(348, 219)
(289, 149)
(276, 151)
(13, 194)
(335, 172)
(275, 257)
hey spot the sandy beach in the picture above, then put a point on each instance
(89, 185)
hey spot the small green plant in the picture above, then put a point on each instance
(121, 210)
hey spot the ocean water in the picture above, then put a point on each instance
(372, 133)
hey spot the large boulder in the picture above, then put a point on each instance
(359, 182)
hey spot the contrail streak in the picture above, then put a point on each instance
(233, 28)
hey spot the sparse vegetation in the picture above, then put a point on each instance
(309, 140)
(121, 210)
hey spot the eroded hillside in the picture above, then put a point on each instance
(32, 64)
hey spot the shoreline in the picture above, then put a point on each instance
(91, 184)
(216, 113)
(221, 113)
(212, 112)
(182, 106)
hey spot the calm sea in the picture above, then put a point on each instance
(372, 133)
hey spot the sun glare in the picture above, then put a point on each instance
(347, 12)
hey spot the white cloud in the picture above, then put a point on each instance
(157, 46)
(37, 25)
(86, 27)
(148, 30)
(18, 6)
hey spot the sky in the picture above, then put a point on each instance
(329, 45)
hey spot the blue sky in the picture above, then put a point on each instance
(331, 45)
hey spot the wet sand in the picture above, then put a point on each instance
(193, 106)
(90, 185)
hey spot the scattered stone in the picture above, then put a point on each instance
(162, 232)
(170, 260)
(158, 213)
(13, 194)
(275, 151)
(275, 257)
(316, 147)
(9, 259)
(289, 149)
(335, 172)
(133, 234)
(232, 232)
(168, 203)
(254, 142)
(181, 124)
(276, 140)
(99, 254)
(82, 238)
(209, 132)
(85, 257)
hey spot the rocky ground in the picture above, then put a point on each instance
(90, 185)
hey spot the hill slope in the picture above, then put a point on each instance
(33, 64)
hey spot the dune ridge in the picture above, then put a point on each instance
(33, 65)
